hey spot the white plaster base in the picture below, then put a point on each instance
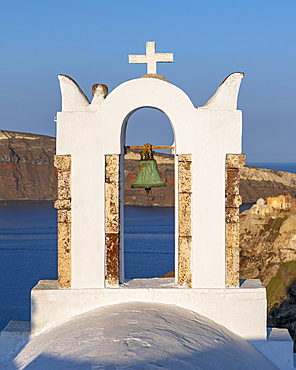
(241, 310)
(13, 337)
(278, 348)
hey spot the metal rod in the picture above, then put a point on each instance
(154, 147)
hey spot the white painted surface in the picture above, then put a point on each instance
(241, 310)
(227, 93)
(140, 336)
(260, 202)
(151, 58)
(13, 337)
(278, 348)
(73, 99)
(207, 134)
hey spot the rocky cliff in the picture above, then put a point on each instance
(26, 167)
(255, 182)
(258, 183)
(27, 172)
(266, 245)
(268, 253)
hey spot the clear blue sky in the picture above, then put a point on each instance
(90, 41)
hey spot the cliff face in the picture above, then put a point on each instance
(267, 244)
(27, 172)
(255, 182)
(258, 183)
(268, 253)
(26, 167)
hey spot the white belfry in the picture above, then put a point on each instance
(151, 58)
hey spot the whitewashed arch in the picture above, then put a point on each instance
(91, 131)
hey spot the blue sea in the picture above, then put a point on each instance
(28, 247)
(28, 250)
(149, 241)
(28, 253)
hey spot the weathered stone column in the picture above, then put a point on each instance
(184, 213)
(233, 200)
(112, 219)
(63, 205)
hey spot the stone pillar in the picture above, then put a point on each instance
(233, 200)
(63, 205)
(112, 219)
(184, 216)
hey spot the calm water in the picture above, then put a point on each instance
(28, 250)
(28, 247)
(28, 253)
(149, 241)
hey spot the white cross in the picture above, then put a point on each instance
(151, 58)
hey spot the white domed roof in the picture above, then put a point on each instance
(137, 335)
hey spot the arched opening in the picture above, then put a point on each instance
(149, 221)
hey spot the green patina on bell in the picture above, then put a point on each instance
(148, 176)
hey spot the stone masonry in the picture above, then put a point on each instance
(185, 229)
(63, 205)
(112, 219)
(233, 200)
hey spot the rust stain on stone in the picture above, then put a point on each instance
(112, 259)
(232, 181)
(112, 219)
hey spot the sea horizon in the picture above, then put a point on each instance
(28, 248)
(278, 166)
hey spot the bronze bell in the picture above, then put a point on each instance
(148, 176)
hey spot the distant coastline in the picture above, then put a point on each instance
(21, 202)
(287, 167)
(28, 174)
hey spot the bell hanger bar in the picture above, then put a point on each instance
(153, 146)
(142, 147)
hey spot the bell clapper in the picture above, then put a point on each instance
(147, 191)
